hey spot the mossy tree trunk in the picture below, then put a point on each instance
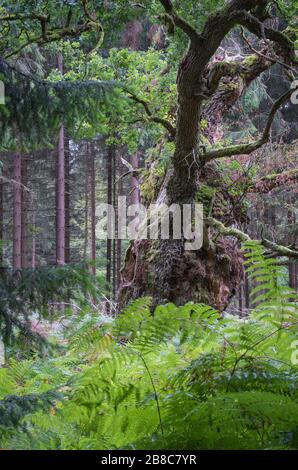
(206, 89)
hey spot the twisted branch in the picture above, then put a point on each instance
(166, 124)
(246, 149)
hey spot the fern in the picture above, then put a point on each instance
(25, 292)
(274, 301)
(184, 377)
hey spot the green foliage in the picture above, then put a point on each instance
(21, 22)
(275, 301)
(29, 293)
(184, 378)
(13, 408)
(140, 73)
(34, 109)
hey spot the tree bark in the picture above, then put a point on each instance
(86, 211)
(109, 169)
(67, 200)
(24, 210)
(1, 217)
(60, 201)
(135, 184)
(33, 256)
(119, 243)
(60, 197)
(17, 211)
(292, 266)
(163, 269)
(93, 206)
(114, 244)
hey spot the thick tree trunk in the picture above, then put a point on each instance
(163, 269)
(17, 211)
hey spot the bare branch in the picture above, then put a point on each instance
(255, 26)
(274, 60)
(134, 172)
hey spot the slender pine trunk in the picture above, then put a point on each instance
(93, 206)
(24, 210)
(86, 210)
(135, 187)
(292, 266)
(17, 211)
(67, 200)
(60, 197)
(115, 205)
(60, 201)
(33, 256)
(119, 242)
(109, 169)
(1, 218)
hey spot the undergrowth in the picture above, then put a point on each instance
(183, 378)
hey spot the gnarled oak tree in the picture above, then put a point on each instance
(208, 89)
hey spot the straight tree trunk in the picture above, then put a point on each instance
(109, 201)
(67, 200)
(60, 201)
(240, 299)
(246, 290)
(93, 206)
(135, 186)
(119, 242)
(292, 266)
(115, 205)
(86, 215)
(1, 220)
(17, 211)
(33, 257)
(60, 197)
(25, 202)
